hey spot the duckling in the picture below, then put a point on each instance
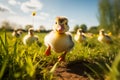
(80, 37)
(15, 34)
(59, 40)
(104, 38)
(20, 32)
(30, 37)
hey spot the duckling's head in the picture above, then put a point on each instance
(79, 31)
(31, 31)
(61, 24)
(101, 32)
(19, 32)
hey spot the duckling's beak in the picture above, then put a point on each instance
(60, 28)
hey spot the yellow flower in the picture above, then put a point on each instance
(33, 13)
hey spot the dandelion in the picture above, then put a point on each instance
(33, 13)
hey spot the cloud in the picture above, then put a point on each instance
(6, 9)
(31, 5)
(13, 2)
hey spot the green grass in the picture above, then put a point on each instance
(21, 62)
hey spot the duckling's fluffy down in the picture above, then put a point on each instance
(59, 42)
(28, 40)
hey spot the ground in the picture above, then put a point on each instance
(72, 71)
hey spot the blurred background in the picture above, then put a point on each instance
(93, 15)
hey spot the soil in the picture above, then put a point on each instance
(72, 71)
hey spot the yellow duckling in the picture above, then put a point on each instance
(15, 34)
(59, 39)
(80, 37)
(104, 38)
(30, 37)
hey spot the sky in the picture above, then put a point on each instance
(77, 11)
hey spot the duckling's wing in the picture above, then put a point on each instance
(109, 39)
(71, 40)
(70, 37)
(37, 40)
(84, 36)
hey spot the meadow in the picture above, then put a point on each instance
(21, 62)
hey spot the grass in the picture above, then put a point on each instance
(21, 62)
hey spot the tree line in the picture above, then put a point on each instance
(109, 15)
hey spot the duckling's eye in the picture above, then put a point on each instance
(55, 22)
(66, 23)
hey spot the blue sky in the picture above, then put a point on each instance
(77, 12)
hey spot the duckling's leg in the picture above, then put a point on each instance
(62, 57)
(48, 52)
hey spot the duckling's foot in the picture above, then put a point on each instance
(62, 57)
(47, 52)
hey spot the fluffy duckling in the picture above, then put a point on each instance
(104, 38)
(80, 37)
(59, 40)
(15, 34)
(30, 38)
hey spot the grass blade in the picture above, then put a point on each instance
(92, 70)
(3, 69)
(54, 67)
(4, 46)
